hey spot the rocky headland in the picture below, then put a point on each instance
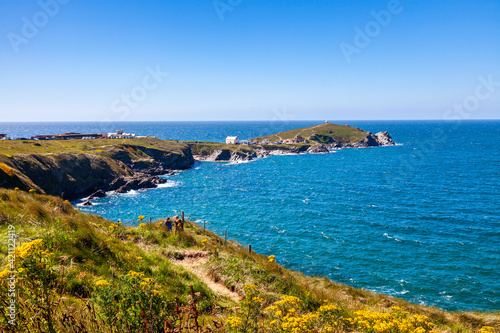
(317, 139)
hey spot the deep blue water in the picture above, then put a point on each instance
(419, 220)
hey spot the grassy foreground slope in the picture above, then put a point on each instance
(82, 273)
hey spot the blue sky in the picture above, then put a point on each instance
(77, 60)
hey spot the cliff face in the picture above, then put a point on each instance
(371, 140)
(72, 175)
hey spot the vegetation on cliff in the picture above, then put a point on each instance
(76, 168)
(326, 133)
(81, 273)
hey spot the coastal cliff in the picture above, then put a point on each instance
(75, 169)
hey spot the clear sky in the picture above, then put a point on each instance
(76, 60)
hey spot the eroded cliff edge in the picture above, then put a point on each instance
(79, 168)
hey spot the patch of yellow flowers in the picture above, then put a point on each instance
(101, 283)
(395, 321)
(135, 274)
(288, 316)
(234, 321)
(28, 248)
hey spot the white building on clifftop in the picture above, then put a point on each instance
(232, 140)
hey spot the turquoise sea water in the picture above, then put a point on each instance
(419, 220)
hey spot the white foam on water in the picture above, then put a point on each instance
(168, 184)
(131, 193)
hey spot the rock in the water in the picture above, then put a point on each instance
(123, 189)
(87, 203)
(97, 194)
(384, 139)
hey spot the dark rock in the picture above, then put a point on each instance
(97, 194)
(220, 155)
(123, 189)
(87, 203)
(318, 149)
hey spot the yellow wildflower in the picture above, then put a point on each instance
(234, 321)
(4, 273)
(257, 299)
(135, 274)
(28, 248)
(487, 329)
(101, 283)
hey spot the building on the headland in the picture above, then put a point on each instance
(232, 140)
(3, 136)
(119, 134)
(80, 136)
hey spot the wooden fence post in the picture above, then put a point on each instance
(250, 248)
(204, 225)
(225, 237)
(150, 219)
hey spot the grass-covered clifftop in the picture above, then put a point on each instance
(325, 133)
(75, 168)
(81, 273)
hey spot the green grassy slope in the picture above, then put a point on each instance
(88, 274)
(13, 147)
(324, 133)
(79, 167)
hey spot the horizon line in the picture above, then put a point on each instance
(259, 120)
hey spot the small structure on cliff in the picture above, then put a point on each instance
(79, 136)
(232, 140)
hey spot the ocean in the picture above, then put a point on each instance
(419, 220)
